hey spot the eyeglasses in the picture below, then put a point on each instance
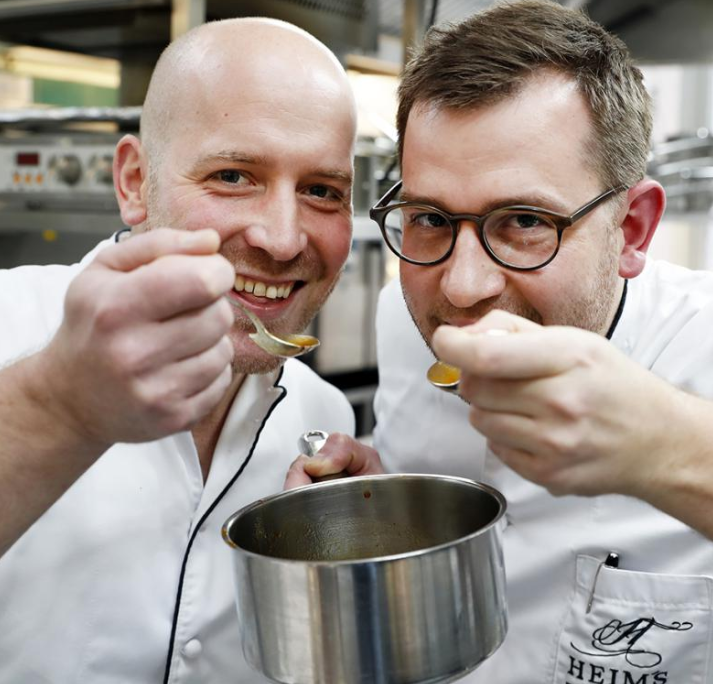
(520, 237)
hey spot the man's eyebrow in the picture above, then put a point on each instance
(530, 200)
(232, 157)
(335, 174)
(237, 158)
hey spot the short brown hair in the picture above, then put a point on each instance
(490, 56)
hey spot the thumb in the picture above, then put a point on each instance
(500, 322)
(144, 248)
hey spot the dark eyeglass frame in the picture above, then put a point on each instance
(561, 221)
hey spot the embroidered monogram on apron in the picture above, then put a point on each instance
(641, 628)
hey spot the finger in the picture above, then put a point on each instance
(502, 321)
(202, 403)
(342, 453)
(176, 283)
(166, 415)
(178, 338)
(507, 429)
(296, 475)
(544, 398)
(531, 354)
(522, 462)
(197, 330)
(176, 382)
(551, 444)
(200, 371)
(144, 248)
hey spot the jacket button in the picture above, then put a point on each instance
(192, 648)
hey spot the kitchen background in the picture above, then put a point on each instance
(73, 74)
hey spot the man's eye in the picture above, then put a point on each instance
(230, 176)
(431, 220)
(527, 220)
(420, 219)
(324, 192)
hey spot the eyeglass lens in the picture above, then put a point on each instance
(519, 238)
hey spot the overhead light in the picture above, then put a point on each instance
(60, 66)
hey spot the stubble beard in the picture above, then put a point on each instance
(594, 310)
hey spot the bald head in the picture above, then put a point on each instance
(248, 57)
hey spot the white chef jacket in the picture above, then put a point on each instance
(127, 571)
(650, 619)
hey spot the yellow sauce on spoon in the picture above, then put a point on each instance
(443, 375)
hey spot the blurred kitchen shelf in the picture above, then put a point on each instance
(365, 228)
(372, 65)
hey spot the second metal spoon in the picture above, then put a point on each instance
(447, 377)
(287, 346)
(310, 443)
(444, 376)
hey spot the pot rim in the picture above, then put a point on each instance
(497, 519)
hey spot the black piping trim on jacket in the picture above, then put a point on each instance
(119, 233)
(619, 311)
(205, 517)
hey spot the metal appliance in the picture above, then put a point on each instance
(346, 323)
(684, 166)
(56, 189)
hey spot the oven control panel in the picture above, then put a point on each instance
(59, 166)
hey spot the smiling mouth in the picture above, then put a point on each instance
(257, 288)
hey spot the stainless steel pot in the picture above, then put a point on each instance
(387, 579)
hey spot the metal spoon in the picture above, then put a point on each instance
(310, 443)
(447, 377)
(287, 346)
(444, 376)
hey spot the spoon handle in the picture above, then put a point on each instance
(310, 443)
(253, 318)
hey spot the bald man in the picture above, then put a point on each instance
(135, 413)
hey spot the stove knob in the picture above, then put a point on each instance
(101, 167)
(67, 168)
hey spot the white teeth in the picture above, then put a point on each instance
(260, 289)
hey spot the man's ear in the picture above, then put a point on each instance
(130, 174)
(645, 204)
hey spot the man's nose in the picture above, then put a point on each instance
(275, 226)
(471, 275)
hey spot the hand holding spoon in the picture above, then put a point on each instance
(287, 346)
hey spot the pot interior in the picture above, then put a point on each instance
(368, 517)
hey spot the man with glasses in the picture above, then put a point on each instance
(524, 208)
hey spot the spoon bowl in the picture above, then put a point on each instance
(444, 376)
(285, 346)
